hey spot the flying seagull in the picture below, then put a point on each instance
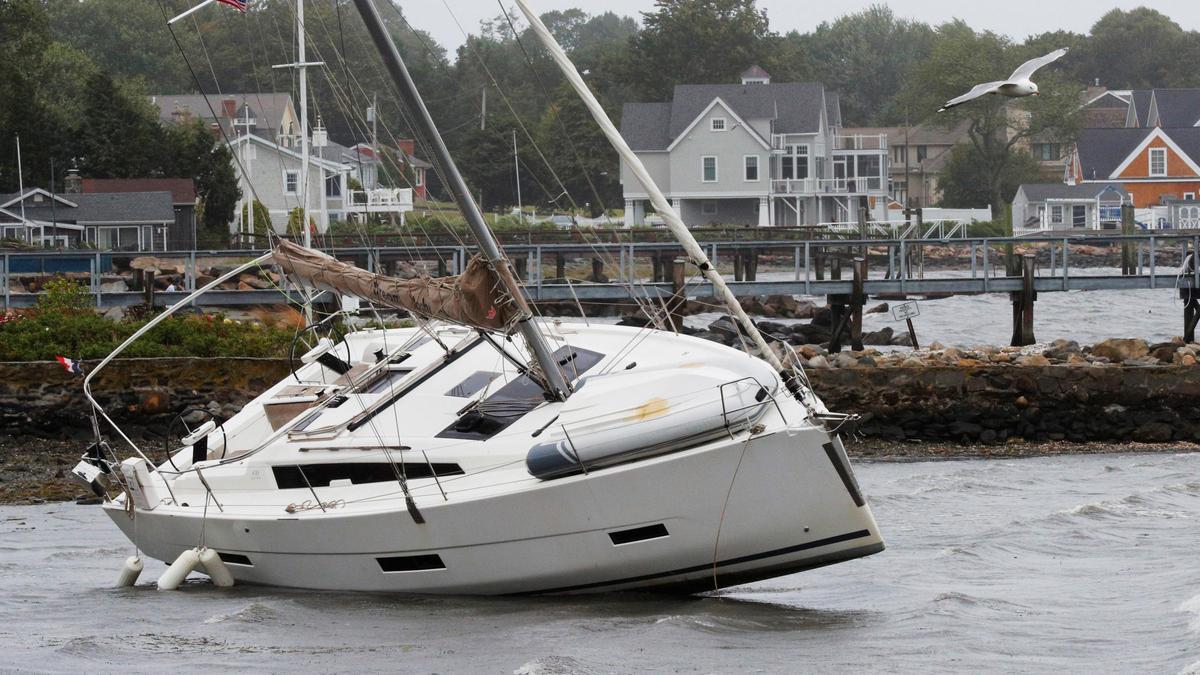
(1018, 85)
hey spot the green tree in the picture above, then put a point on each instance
(997, 127)
(1139, 49)
(586, 162)
(191, 151)
(867, 57)
(966, 182)
(698, 41)
(119, 135)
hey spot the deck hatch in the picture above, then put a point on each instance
(656, 531)
(291, 477)
(411, 563)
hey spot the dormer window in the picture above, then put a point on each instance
(718, 124)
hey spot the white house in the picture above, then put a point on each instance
(1051, 207)
(755, 153)
(271, 174)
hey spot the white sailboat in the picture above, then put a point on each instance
(492, 452)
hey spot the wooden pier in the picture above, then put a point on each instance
(848, 272)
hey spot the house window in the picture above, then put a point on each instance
(900, 154)
(1079, 216)
(1189, 196)
(291, 182)
(751, 168)
(708, 170)
(333, 186)
(708, 207)
(1047, 152)
(794, 163)
(1158, 161)
(718, 124)
(1056, 215)
(419, 177)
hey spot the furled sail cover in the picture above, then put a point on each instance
(474, 298)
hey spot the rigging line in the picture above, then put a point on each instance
(558, 118)
(200, 87)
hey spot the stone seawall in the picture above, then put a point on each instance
(987, 404)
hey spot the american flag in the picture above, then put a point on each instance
(239, 5)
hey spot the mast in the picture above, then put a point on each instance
(673, 221)
(556, 385)
(517, 178)
(21, 185)
(300, 50)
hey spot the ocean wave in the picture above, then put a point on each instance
(1192, 606)
(552, 665)
(255, 612)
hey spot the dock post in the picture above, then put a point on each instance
(597, 270)
(149, 287)
(1022, 302)
(1127, 262)
(560, 266)
(857, 301)
(739, 265)
(862, 229)
(678, 297)
(751, 265)
(522, 265)
(1191, 298)
(441, 267)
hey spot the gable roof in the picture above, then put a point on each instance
(755, 72)
(1139, 106)
(14, 200)
(1040, 192)
(646, 126)
(271, 145)
(183, 190)
(793, 107)
(738, 122)
(1102, 152)
(101, 209)
(266, 108)
(1177, 107)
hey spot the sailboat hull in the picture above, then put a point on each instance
(729, 512)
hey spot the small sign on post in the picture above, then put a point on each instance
(906, 312)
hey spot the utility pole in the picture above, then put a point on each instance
(517, 174)
(483, 110)
(21, 185)
(53, 206)
(375, 136)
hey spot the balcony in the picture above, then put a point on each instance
(381, 200)
(874, 142)
(803, 187)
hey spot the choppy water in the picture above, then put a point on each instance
(1072, 564)
(1084, 316)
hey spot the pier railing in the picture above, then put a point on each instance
(605, 271)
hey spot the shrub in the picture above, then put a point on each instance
(64, 296)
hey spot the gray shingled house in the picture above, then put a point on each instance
(127, 221)
(1048, 207)
(755, 153)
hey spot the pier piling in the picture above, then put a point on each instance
(678, 297)
(1022, 302)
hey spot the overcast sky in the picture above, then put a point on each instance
(1017, 18)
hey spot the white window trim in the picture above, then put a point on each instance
(704, 204)
(1056, 214)
(1189, 195)
(757, 169)
(1150, 159)
(712, 124)
(716, 169)
(291, 193)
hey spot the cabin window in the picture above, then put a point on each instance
(708, 169)
(751, 168)
(718, 124)
(473, 384)
(299, 476)
(657, 531)
(291, 182)
(385, 380)
(411, 563)
(708, 207)
(1158, 161)
(511, 402)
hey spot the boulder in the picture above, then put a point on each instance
(1060, 350)
(880, 337)
(1152, 432)
(819, 363)
(1118, 350)
(1033, 361)
(881, 308)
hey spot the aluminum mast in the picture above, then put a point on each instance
(556, 384)
(672, 219)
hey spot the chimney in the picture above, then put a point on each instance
(73, 184)
(229, 107)
(407, 146)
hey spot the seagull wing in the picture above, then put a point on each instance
(1028, 68)
(979, 90)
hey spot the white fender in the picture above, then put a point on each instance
(215, 568)
(178, 571)
(130, 572)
